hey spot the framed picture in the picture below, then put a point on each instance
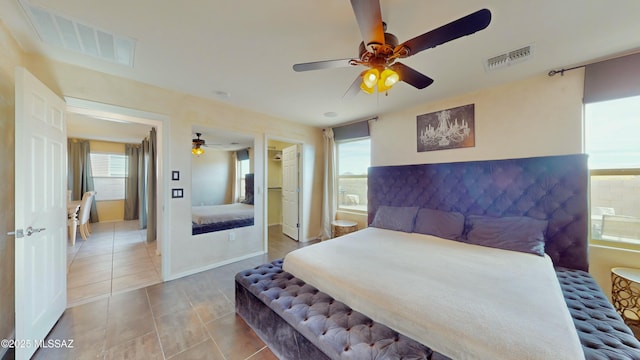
(446, 129)
(175, 175)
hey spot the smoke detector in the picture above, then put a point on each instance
(509, 58)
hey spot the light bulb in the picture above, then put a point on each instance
(370, 78)
(388, 78)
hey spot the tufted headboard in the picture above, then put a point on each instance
(552, 188)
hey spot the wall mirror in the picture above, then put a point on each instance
(222, 186)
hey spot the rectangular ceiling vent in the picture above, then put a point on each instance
(509, 58)
(61, 31)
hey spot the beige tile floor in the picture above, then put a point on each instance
(188, 318)
(114, 259)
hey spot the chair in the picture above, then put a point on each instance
(84, 213)
(621, 228)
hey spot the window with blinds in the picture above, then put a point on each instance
(354, 159)
(611, 140)
(109, 172)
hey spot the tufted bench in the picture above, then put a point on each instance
(602, 332)
(298, 321)
(329, 328)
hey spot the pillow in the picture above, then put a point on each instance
(517, 233)
(395, 218)
(443, 224)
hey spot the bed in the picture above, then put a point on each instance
(302, 315)
(210, 218)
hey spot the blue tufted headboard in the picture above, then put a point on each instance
(552, 188)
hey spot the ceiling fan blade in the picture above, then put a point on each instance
(354, 89)
(369, 18)
(456, 29)
(320, 65)
(411, 76)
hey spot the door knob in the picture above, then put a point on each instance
(30, 230)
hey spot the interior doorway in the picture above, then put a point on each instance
(119, 243)
(283, 189)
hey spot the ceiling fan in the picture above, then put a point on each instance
(197, 144)
(380, 50)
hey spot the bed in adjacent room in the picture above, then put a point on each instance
(210, 218)
(474, 260)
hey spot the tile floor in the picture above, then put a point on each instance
(115, 258)
(188, 318)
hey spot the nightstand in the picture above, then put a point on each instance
(342, 227)
(625, 293)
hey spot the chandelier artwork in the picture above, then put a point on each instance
(446, 129)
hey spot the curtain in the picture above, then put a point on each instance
(612, 79)
(79, 179)
(142, 184)
(328, 198)
(132, 189)
(151, 172)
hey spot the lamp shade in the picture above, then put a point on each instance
(388, 78)
(370, 78)
(197, 150)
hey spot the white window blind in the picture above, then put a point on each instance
(109, 172)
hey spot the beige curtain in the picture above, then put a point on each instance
(328, 198)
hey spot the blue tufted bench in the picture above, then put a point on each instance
(301, 322)
(602, 332)
(297, 321)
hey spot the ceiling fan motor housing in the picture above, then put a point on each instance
(380, 52)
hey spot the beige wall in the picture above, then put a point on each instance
(211, 178)
(194, 253)
(11, 56)
(534, 117)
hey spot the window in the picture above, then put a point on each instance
(243, 170)
(109, 172)
(354, 159)
(611, 140)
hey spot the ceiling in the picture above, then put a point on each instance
(241, 52)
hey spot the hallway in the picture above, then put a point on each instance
(114, 259)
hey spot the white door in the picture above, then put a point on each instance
(41, 215)
(290, 192)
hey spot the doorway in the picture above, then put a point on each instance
(283, 191)
(124, 260)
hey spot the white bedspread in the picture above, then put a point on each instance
(464, 301)
(219, 213)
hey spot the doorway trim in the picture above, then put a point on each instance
(301, 198)
(122, 114)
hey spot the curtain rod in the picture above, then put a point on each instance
(561, 71)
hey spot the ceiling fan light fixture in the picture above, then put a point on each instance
(388, 78)
(197, 150)
(365, 88)
(370, 78)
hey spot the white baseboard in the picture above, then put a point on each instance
(214, 265)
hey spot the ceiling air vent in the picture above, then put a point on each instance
(58, 30)
(510, 58)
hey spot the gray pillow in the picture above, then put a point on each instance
(395, 218)
(517, 233)
(447, 225)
